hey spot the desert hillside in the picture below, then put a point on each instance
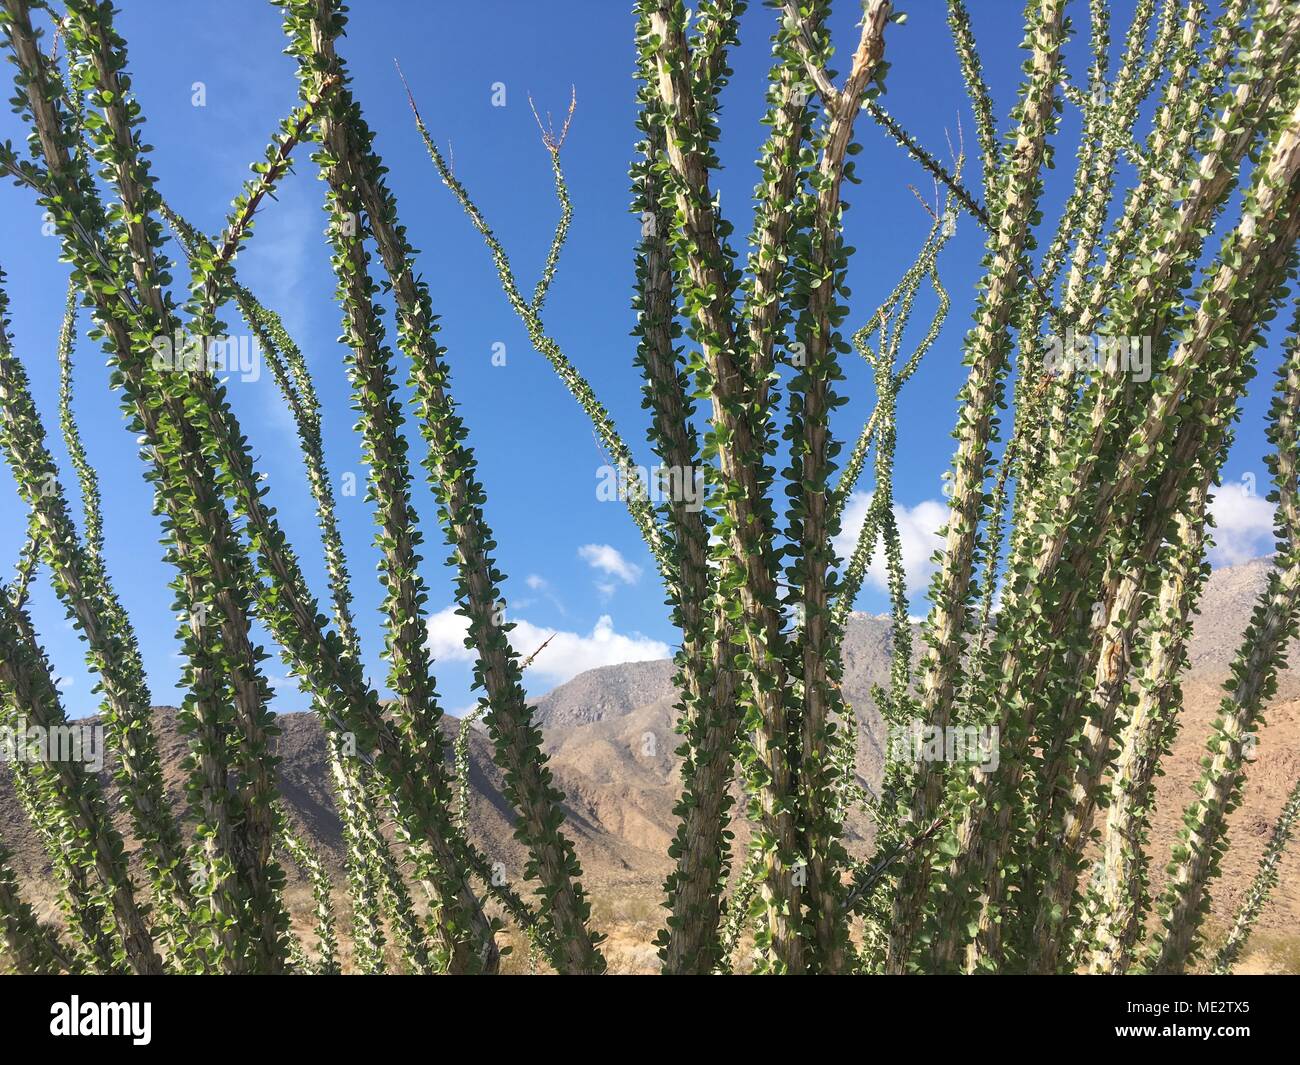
(610, 740)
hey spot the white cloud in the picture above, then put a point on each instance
(463, 711)
(447, 632)
(567, 654)
(609, 560)
(537, 583)
(1244, 521)
(918, 531)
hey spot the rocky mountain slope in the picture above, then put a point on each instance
(610, 741)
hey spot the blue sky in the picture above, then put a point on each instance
(576, 565)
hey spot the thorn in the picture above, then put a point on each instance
(568, 118)
(419, 119)
(529, 660)
(537, 118)
(921, 200)
(553, 142)
(410, 96)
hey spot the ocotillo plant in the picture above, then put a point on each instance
(1072, 559)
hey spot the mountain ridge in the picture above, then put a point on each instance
(608, 734)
